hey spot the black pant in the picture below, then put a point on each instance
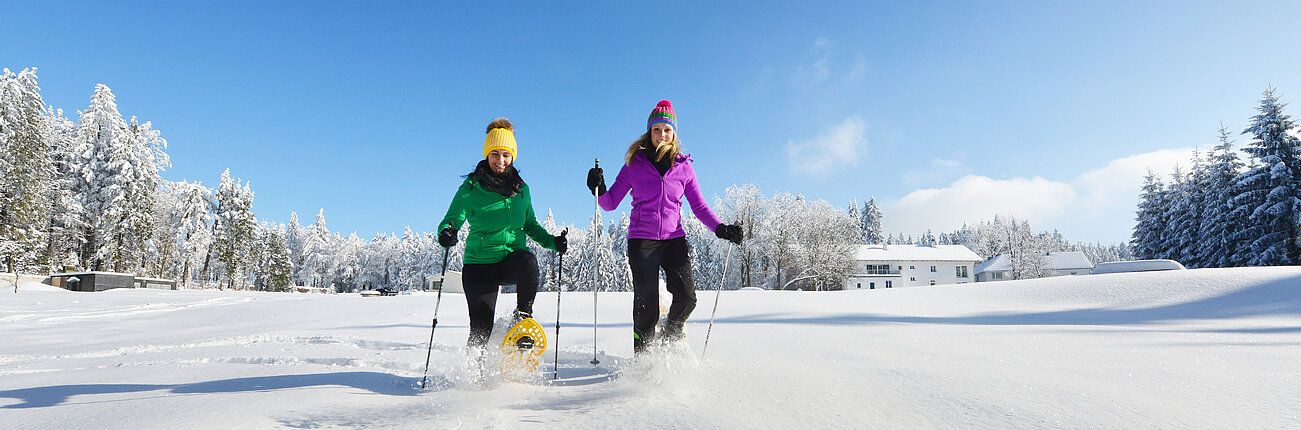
(481, 282)
(646, 257)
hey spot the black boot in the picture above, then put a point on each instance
(520, 315)
(673, 331)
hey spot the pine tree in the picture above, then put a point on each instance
(1248, 193)
(295, 237)
(871, 219)
(189, 220)
(26, 170)
(1147, 237)
(348, 256)
(276, 267)
(235, 227)
(116, 201)
(1276, 179)
(410, 275)
(1214, 246)
(856, 217)
(318, 253)
(67, 223)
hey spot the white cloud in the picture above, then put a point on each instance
(1097, 205)
(1117, 184)
(974, 198)
(820, 72)
(839, 147)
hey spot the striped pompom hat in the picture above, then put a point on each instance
(663, 112)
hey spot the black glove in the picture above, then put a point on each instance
(730, 232)
(562, 244)
(596, 181)
(447, 237)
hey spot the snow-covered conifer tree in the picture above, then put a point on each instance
(349, 253)
(119, 186)
(318, 253)
(410, 275)
(1147, 237)
(26, 170)
(235, 226)
(1274, 183)
(275, 269)
(1181, 214)
(67, 215)
(871, 219)
(1214, 247)
(189, 219)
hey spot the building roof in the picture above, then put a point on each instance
(1000, 263)
(1056, 261)
(957, 253)
(1069, 260)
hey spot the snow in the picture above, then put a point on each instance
(1137, 266)
(1069, 260)
(958, 253)
(1203, 348)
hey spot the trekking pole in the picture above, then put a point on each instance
(596, 262)
(560, 287)
(716, 297)
(441, 284)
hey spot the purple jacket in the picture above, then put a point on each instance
(657, 200)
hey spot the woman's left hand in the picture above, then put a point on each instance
(730, 232)
(562, 244)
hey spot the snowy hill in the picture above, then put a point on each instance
(1207, 348)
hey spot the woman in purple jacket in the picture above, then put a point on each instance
(659, 175)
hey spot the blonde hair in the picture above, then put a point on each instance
(670, 149)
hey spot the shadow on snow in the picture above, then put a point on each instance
(1275, 298)
(374, 382)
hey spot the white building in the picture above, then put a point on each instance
(894, 266)
(1069, 263)
(999, 268)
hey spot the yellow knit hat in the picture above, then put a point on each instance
(500, 138)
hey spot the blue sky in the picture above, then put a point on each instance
(944, 112)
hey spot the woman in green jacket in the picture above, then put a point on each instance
(496, 202)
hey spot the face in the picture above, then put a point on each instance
(661, 133)
(499, 160)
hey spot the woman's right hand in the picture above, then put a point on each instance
(596, 181)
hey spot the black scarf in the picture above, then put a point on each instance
(662, 165)
(508, 184)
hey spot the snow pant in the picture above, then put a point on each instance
(646, 257)
(481, 282)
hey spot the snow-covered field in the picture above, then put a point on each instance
(1209, 348)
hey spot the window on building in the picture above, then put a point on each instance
(932, 282)
(933, 269)
(888, 284)
(912, 267)
(871, 285)
(912, 278)
(962, 271)
(860, 285)
(997, 275)
(881, 269)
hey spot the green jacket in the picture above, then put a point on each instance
(498, 223)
